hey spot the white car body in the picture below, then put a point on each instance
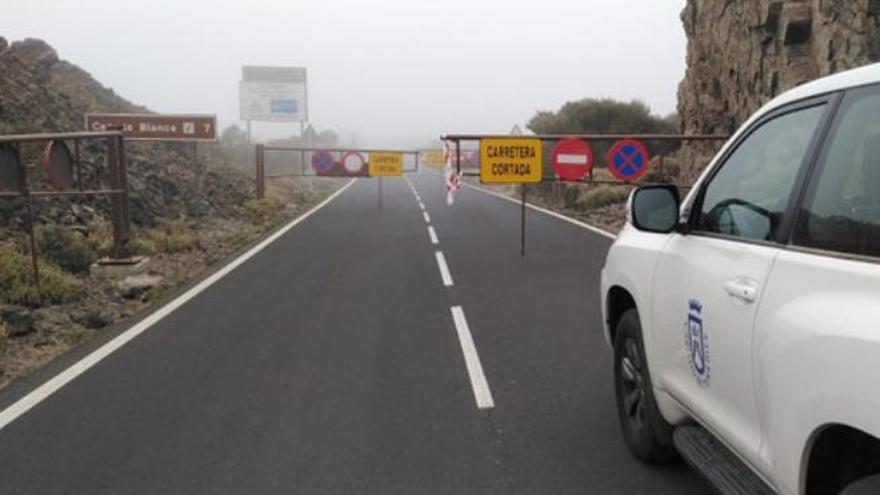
(793, 334)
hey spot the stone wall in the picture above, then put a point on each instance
(741, 53)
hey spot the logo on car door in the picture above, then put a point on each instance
(697, 342)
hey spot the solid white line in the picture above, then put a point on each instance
(560, 216)
(433, 235)
(427, 217)
(55, 383)
(444, 269)
(482, 393)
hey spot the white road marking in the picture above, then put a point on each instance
(427, 217)
(482, 393)
(444, 269)
(55, 383)
(433, 235)
(560, 216)
(422, 205)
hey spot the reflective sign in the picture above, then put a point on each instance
(58, 165)
(510, 161)
(11, 171)
(628, 160)
(384, 164)
(353, 163)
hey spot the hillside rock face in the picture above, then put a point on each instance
(39, 92)
(742, 53)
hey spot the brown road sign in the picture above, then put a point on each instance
(156, 127)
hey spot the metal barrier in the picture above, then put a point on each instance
(65, 174)
(673, 143)
(339, 154)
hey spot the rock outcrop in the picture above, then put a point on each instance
(39, 92)
(742, 53)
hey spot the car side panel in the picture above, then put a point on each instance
(630, 265)
(817, 356)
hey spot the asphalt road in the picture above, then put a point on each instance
(332, 363)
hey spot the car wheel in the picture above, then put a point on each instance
(647, 434)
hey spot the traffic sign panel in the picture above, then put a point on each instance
(510, 161)
(628, 160)
(353, 163)
(383, 164)
(323, 163)
(573, 159)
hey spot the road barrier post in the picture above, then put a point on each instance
(260, 172)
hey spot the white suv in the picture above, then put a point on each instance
(745, 320)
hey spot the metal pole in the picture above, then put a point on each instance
(380, 193)
(260, 178)
(458, 157)
(523, 223)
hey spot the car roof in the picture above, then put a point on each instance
(862, 76)
(869, 74)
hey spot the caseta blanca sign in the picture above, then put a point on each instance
(273, 94)
(152, 127)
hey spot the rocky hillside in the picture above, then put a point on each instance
(742, 53)
(39, 92)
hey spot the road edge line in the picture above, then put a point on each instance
(552, 213)
(479, 384)
(52, 385)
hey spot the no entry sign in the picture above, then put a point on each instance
(628, 160)
(323, 163)
(572, 159)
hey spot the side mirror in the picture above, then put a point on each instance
(655, 208)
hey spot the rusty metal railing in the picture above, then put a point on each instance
(66, 177)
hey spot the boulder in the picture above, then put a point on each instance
(18, 319)
(135, 286)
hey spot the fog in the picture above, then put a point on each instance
(389, 73)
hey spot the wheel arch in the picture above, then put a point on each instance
(836, 455)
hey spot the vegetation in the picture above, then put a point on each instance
(72, 251)
(600, 196)
(17, 284)
(602, 116)
(264, 211)
(169, 237)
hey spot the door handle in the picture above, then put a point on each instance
(742, 289)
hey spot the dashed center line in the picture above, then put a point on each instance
(427, 217)
(444, 269)
(433, 235)
(480, 386)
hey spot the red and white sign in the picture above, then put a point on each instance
(573, 159)
(353, 163)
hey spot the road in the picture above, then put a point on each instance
(333, 362)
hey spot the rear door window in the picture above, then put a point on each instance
(841, 210)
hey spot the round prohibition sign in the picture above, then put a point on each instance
(628, 160)
(353, 162)
(323, 162)
(572, 159)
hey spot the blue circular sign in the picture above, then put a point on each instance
(323, 162)
(628, 160)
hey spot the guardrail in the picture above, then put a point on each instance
(66, 178)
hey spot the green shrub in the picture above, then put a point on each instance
(141, 245)
(570, 197)
(263, 211)
(17, 284)
(600, 196)
(68, 249)
(170, 237)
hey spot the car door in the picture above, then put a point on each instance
(708, 281)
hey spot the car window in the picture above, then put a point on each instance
(748, 196)
(842, 209)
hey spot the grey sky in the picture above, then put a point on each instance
(391, 72)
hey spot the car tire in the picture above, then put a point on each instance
(647, 434)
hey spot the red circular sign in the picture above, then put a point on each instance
(353, 163)
(628, 160)
(573, 159)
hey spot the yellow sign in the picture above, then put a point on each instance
(384, 164)
(511, 161)
(433, 158)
